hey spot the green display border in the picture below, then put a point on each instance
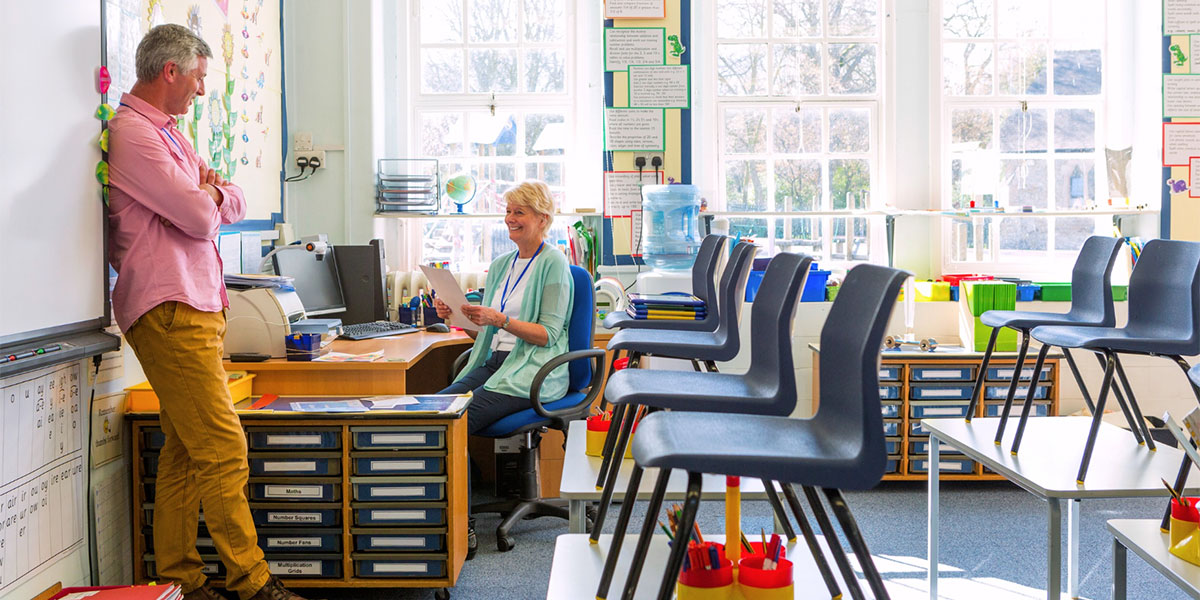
(1164, 24)
(662, 47)
(629, 88)
(1163, 91)
(604, 126)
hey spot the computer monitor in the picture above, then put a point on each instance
(364, 282)
(316, 281)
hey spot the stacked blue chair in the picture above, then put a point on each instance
(1164, 320)
(704, 287)
(841, 447)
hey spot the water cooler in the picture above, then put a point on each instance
(670, 239)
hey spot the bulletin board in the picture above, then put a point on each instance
(1181, 120)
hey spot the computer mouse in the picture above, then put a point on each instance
(438, 328)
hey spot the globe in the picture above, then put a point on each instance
(460, 189)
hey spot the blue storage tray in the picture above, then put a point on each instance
(393, 513)
(397, 463)
(392, 489)
(938, 409)
(814, 285)
(942, 392)
(891, 427)
(399, 540)
(1005, 373)
(922, 447)
(1000, 392)
(150, 464)
(420, 566)
(942, 373)
(889, 373)
(308, 540)
(279, 438)
(328, 566)
(153, 438)
(399, 438)
(295, 464)
(952, 466)
(291, 490)
(893, 465)
(891, 410)
(892, 444)
(915, 429)
(275, 514)
(889, 392)
(1039, 409)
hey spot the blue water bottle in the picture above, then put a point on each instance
(670, 225)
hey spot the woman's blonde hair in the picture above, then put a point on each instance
(534, 195)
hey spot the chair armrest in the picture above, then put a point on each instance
(458, 363)
(598, 369)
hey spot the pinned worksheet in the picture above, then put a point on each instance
(660, 86)
(1181, 17)
(624, 46)
(1181, 96)
(634, 129)
(635, 9)
(1181, 141)
(623, 191)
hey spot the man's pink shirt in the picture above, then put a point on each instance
(154, 172)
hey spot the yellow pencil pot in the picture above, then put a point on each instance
(1185, 537)
(597, 431)
(703, 584)
(756, 583)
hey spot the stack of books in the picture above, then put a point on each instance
(672, 306)
(978, 297)
(135, 592)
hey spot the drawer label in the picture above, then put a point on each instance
(398, 491)
(401, 567)
(293, 440)
(942, 374)
(205, 543)
(951, 410)
(291, 465)
(303, 542)
(295, 567)
(293, 491)
(885, 373)
(399, 515)
(283, 517)
(398, 465)
(940, 392)
(210, 568)
(397, 438)
(397, 542)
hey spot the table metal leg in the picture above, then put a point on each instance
(1118, 585)
(1054, 551)
(577, 512)
(932, 552)
(1073, 548)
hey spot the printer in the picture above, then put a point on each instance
(260, 318)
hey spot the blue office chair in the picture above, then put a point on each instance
(841, 447)
(1164, 320)
(554, 415)
(1091, 305)
(704, 271)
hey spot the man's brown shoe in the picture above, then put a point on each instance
(203, 593)
(274, 590)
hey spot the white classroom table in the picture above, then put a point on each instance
(1146, 540)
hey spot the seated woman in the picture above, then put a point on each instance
(523, 318)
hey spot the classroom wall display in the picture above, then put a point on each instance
(1180, 216)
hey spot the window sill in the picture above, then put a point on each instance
(414, 215)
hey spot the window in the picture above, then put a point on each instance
(798, 92)
(1021, 86)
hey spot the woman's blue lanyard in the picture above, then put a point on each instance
(504, 295)
(164, 130)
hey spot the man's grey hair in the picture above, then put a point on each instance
(169, 43)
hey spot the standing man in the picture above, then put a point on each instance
(166, 207)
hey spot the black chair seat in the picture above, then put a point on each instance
(697, 345)
(693, 391)
(1115, 339)
(1026, 319)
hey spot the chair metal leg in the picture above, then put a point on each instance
(1012, 385)
(1185, 467)
(835, 545)
(696, 366)
(1087, 398)
(614, 468)
(978, 389)
(711, 366)
(777, 507)
(1137, 431)
(810, 539)
(1133, 405)
(850, 527)
(1029, 395)
(1109, 367)
(691, 504)
(643, 542)
(618, 538)
(612, 368)
(606, 461)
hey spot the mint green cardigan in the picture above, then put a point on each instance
(551, 274)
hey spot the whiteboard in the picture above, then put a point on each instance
(53, 276)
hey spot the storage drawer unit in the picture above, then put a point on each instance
(277, 464)
(396, 513)
(276, 514)
(296, 539)
(308, 490)
(933, 409)
(889, 392)
(306, 438)
(1000, 392)
(393, 540)
(940, 391)
(1005, 373)
(1039, 409)
(375, 489)
(399, 463)
(959, 466)
(891, 410)
(889, 372)
(407, 565)
(399, 438)
(942, 372)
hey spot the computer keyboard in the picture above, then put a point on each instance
(365, 331)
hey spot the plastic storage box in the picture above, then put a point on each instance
(814, 285)
(1055, 291)
(141, 397)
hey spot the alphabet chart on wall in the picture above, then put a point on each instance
(42, 479)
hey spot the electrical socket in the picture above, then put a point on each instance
(302, 141)
(649, 156)
(310, 155)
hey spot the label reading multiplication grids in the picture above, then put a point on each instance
(305, 542)
(291, 465)
(397, 542)
(293, 491)
(293, 440)
(295, 567)
(275, 517)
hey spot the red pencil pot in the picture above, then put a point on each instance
(707, 584)
(757, 583)
(597, 430)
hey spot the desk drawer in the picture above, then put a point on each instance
(400, 540)
(891, 427)
(937, 409)
(393, 513)
(417, 489)
(308, 490)
(1000, 392)
(940, 392)
(399, 463)
(277, 464)
(891, 410)
(922, 447)
(1039, 409)
(293, 515)
(399, 438)
(1005, 373)
(889, 372)
(279, 438)
(327, 566)
(153, 438)
(300, 540)
(421, 566)
(951, 466)
(942, 373)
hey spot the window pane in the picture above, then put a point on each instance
(1023, 19)
(1076, 71)
(441, 134)
(551, 173)
(849, 183)
(491, 181)
(1074, 183)
(746, 185)
(1021, 69)
(1083, 19)
(492, 136)
(1024, 183)
(797, 185)
(1070, 232)
(745, 130)
(545, 20)
(852, 68)
(803, 235)
(850, 130)
(971, 129)
(849, 247)
(455, 241)
(967, 18)
(441, 21)
(493, 70)
(741, 69)
(967, 69)
(441, 71)
(544, 71)
(545, 134)
(1021, 235)
(797, 132)
(853, 18)
(797, 70)
(975, 176)
(493, 20)
(1075, 130)
(1023, 131)
(797, 18)
(741, 18)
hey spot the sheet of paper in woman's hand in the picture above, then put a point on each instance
(443, 282)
